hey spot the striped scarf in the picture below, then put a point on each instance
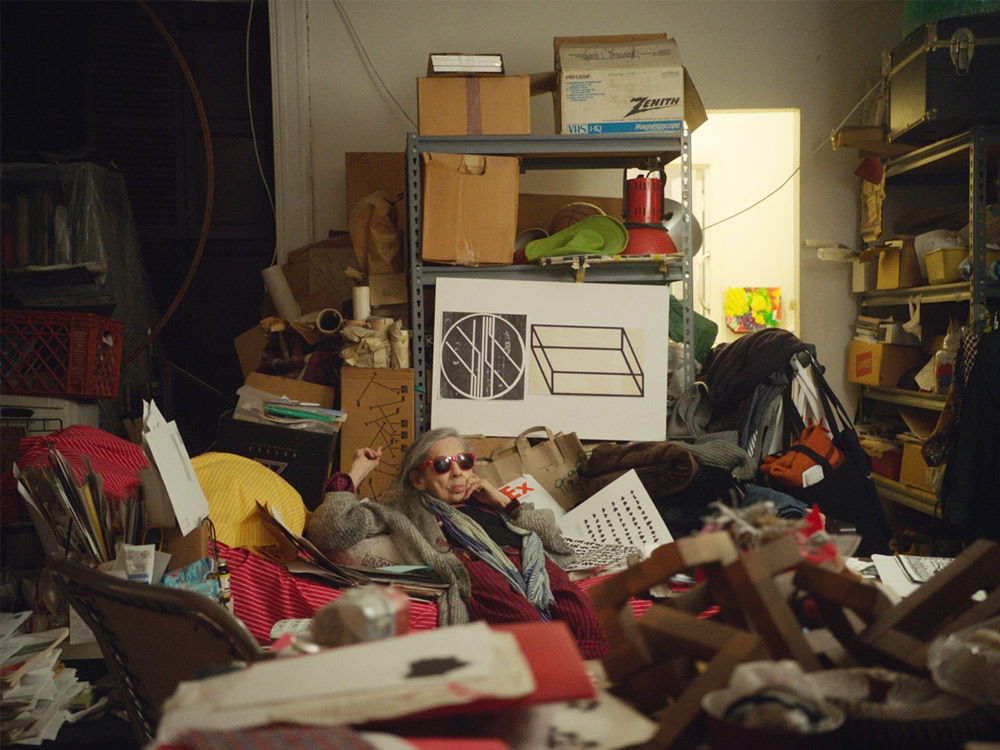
(533, 582)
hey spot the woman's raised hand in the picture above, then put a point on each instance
(485, 492)
(365, 461)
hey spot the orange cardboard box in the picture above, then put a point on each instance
(881, 364)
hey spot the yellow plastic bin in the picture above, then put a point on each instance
(942, 264)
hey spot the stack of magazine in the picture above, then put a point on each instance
(71, 512)
(36, 691)
(417, 581)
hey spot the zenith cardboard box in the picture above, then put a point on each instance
(379, 403)
(474, 105)
(881, 364)
(632, 83)
(470, 208)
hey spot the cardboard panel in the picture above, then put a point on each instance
(366, 172)
(379, 407)
(249, 348)
(913, 471)
(316, 274)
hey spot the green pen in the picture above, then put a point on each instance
(287, 411)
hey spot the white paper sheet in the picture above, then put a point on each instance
(622, 513)
(165, 446)
(526, 489)
(354, 684)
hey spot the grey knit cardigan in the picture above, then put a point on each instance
(342, 521)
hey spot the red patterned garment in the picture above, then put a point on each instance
(265, 592)
(118, 461)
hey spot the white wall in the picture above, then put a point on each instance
(814, 55)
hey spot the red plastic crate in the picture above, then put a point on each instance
(54, 353)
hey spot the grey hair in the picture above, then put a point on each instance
(418, 452)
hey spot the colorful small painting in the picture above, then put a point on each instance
(752, 308)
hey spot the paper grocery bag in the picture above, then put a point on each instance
(552, 462)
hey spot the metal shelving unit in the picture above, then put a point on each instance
(917, 399)
(968, 155)
(613, 151)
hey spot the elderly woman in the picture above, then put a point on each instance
(501, 559)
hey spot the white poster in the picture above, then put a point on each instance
(584, 358)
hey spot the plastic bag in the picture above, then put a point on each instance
(967, 663)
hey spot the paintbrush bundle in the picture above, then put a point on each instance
(71, 512)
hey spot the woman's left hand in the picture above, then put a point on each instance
(485, 492)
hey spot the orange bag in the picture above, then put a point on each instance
(786, 468)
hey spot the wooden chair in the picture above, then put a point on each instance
(152, 637)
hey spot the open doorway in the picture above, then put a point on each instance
(739, 157)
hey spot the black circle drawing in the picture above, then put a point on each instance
(483, 356)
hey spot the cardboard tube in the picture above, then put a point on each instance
(362, 303)
(329, 321)
(281, 293)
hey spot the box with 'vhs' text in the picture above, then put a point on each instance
(623, 84)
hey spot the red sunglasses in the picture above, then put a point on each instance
(442, 464)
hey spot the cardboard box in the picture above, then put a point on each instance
(297, 390)
(300, 457)
(250, 348)
(380, 406)
(474, 105)
(881, 364)
(366, 172)
(891, 332)
(316, 274)
(388, 289)
(864, 276)
(537, 209)
(185, 550)
(898, 267)
(623, 84)
(470, 208)
(913, 470)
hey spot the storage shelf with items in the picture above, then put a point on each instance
(945, 190)
(547, 152)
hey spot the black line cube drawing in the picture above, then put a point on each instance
(588, 360)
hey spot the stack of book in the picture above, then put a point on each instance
(36, 690)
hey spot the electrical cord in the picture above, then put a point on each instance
(209, 187)
(795, 171)
(360, 47)
(253, 130)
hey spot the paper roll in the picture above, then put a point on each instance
(362, 303)
(281, 293)
(329, 321)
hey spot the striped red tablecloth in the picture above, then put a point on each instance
(264, 592)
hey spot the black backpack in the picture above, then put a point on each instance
(846, 494)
